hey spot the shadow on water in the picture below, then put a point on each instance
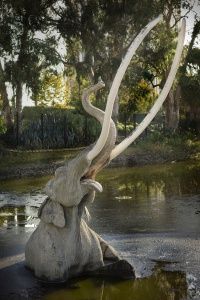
(160, 285)
(135, 202)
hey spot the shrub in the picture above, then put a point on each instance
(47, 127)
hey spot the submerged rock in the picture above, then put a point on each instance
(120, 269)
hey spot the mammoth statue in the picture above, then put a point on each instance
(63, 245)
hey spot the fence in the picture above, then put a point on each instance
(46, 128)
(56, 129)
(131, 122)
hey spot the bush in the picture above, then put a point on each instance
(46, 127)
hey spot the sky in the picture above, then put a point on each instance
(26, 101)
(190, 22)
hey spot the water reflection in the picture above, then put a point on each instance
(24, 216)
(135, 206)
(151, 199)
(161, 285)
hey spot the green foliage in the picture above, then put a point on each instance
(136, 97)
(190, 81)
(158, 50)
(98, 36)
(191, 89)
(47, 127)
(27, 45)
(53, 90)
(95, 35)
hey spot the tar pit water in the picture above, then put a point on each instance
(151, 215)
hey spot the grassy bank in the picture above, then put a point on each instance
(162, 149)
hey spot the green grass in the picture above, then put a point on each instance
(158, 149)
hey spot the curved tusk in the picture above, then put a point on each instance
(102, 158)
(115, 87)
(88, 107)
(159, 102)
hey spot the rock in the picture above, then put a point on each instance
(120, 269)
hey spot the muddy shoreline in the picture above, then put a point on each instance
(48, 168)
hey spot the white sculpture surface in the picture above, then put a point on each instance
(63, 245)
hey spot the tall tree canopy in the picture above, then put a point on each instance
(96, 35)
(24, 50)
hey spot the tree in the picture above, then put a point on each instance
(102, 30)
(5, 105)
(136, 94)
(100, 33)
(23, 51)
(53, 90)
(190, 87)
(157, 57)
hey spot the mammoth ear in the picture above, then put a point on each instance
(52, 212)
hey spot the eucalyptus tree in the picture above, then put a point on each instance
(190, 79)
(53, 89)
(156, 58)
(97, 34)
(26, 48)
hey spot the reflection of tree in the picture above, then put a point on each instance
(174, 179)
(12, 216)
(142, 199)
(161, 285)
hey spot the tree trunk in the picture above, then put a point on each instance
(172, 108)
(20, 66)
(6, 109)
(18, 111)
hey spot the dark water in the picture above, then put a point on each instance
(151, 215)
(149, 199)
(160, 286)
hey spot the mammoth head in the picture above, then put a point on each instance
(76, 179)
(69, 186)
